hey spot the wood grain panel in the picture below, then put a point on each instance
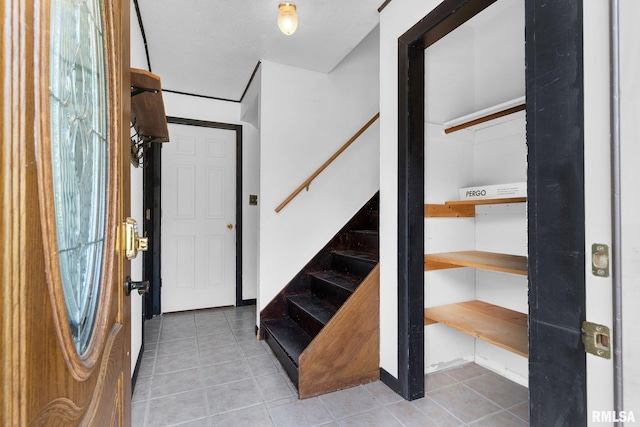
(492, 261)
(39, 368)
(449, 211)
(347, 350)
(496, 325)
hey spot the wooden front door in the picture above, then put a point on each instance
(64, 321)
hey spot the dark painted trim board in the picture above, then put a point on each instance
(446, 17)
(151, 259)
(555, 139)
(136, 370)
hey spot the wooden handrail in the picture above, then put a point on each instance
(493, 116)
(313, 176)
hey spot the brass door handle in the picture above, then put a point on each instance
(230, 226)
(132, 242)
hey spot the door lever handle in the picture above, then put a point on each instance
(130, 285)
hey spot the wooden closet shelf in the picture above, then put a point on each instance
(492, 261)
(464, 208)
(486, 201)
(496, 325)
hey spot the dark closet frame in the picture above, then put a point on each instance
(555, 204)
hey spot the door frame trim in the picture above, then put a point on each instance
(556, 212)
(238, 129)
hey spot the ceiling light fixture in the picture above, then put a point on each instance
(287, 18)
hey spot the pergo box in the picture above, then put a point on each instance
(500, 191)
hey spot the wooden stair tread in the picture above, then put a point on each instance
(316, 307)
(477, 259)
(359, 255)
(342, 280)
(289, 336)
(374, 233)
(496, 325)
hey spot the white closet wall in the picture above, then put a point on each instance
(478, 65)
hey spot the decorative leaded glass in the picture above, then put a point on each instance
(79, 123)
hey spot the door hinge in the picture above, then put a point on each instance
(596, 339)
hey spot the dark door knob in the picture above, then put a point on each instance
(142, 287)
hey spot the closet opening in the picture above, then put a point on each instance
(475, 224)
(476, 280)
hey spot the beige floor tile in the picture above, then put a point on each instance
(273, 387)
(233, 396)
(521, 410)
(349, 402)
(176, 362)
(437, 380)
(225, 372)
(181, 345)
(501, 419)
(377, 418)
(262, 365)
(464, 403)
(177, 408)
(409, 415)
(466, 371)
(220, 354)
(176, 382)
(302, 413)
(255, 416)
(383, 394)
(499, 390)
(441, 416)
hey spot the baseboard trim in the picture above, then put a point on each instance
(251, 301)
(390, 381)
(136, 370)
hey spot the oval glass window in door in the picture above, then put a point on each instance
(79, 154)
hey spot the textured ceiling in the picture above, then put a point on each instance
(211, 47)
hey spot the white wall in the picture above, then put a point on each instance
(630, 110)
(250, 214)
(250, 114)
(305, 117)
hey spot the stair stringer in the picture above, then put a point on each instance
(346, 352)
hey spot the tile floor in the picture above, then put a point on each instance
(206, 368)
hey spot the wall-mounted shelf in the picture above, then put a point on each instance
(484, 116)
(496, 325)
(464, 208)
(147, 107)
(492, 261)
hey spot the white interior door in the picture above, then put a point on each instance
(198, 218)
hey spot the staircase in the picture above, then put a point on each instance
(324, 325)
